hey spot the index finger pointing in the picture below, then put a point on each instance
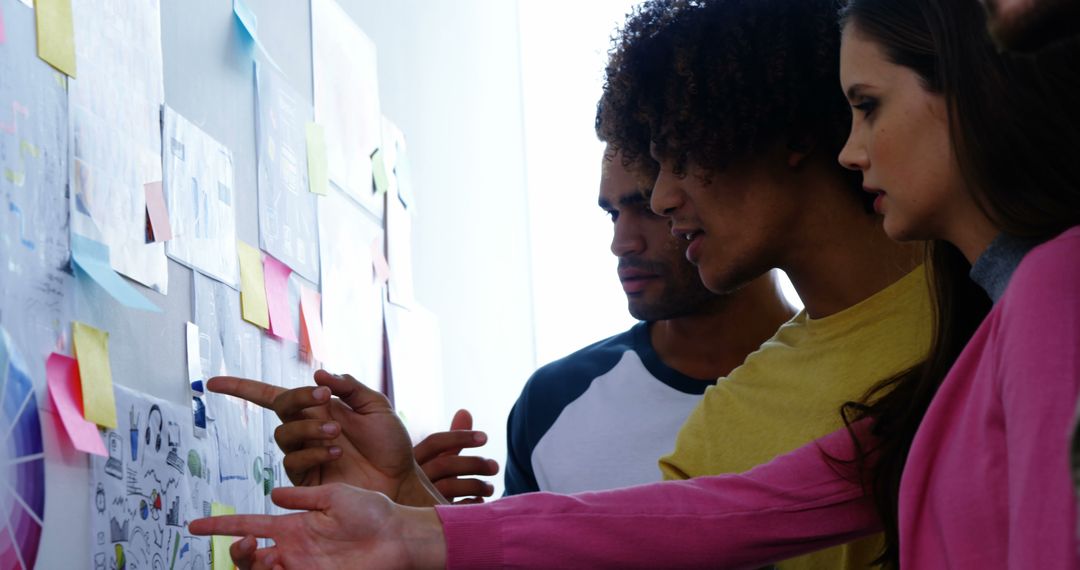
(258, 393)
(261, 526)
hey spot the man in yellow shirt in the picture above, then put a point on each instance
(739, 102)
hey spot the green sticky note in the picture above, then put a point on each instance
(219, 545)
(318, 176)
(56, 34)
(252, 287)
(378, 171)
(92, 352)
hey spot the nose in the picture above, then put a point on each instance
(853, 156)
(627, 238)
(667, 194)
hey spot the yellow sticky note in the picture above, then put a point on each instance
(219, 545)
(318, 171)
(252, 287)
(92, 352)
(56, 34)
(378, 171)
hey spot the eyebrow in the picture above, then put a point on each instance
(853, 92)
(632, 199)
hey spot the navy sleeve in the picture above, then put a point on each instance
(519, 477)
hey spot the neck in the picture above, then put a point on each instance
(711, 343)
(844, 257)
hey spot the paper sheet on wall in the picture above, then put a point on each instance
(36, 285)
(116, 126)
(346, 99)
(281, 366)
(416, 369)
(351, 298)
(155, 480)
(399, 251)
(227, 344)
(287, 223)
(200, 192)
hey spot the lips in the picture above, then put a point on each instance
(635, 280)
(694, 236)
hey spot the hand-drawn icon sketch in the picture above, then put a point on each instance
(115, 465)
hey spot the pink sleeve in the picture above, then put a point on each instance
(797, 503)
(1039, 371)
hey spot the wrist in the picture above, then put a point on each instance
(421, 534)
(418, 491)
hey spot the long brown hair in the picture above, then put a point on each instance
(1015, 129)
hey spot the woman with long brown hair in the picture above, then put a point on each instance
(962, 460)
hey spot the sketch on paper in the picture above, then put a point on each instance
(351, 297)
(287, 224)
(34, 233)
(116, 131)
(22, 459)
(346, 99)
(227, 344)
(200, 193)
(153, 483)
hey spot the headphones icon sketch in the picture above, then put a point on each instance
(160, 422)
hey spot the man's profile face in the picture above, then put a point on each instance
(658, 280)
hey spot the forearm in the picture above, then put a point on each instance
(420, 533)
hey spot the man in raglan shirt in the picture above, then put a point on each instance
(600, 417)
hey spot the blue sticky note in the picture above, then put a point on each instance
(92, 258)
(247, 18)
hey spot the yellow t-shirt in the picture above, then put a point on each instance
(790, 390)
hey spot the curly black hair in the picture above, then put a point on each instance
(711, 81)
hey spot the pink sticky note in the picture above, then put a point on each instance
(311, 321)
(378, 262)
(277, 297)
(158, 212)
(3, 35)
(62, 376)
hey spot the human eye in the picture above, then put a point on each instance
(865, 105)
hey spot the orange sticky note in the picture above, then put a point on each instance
(56, 34)
(311, 332)
(92, 352)
(277, 297)
(157, 211)
(252, 290)
(62, 376)
(378, 262)
(219, 545)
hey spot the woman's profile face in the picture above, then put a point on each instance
(900, 142)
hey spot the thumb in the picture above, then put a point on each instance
(350, 390)
(462, 420)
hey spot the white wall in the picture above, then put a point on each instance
(450, 76)
(577, 294)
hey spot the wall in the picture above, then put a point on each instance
(450, 78)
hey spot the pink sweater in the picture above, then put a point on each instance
(987, 483)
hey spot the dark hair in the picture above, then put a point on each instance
(713, 81)
(1015, 130)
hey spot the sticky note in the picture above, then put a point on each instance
(318, 171)
(219, 545)
(247, 18)
(92, 352)
(62, 376)
(311, 321)
(378, 262)
(56, 34)
(92, 258)
(157, 211)
(252, 289)
(378, 171)
(3, 34)
(277, 298)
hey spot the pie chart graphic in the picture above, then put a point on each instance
(22, 465)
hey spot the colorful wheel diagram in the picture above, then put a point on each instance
(22, 465)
